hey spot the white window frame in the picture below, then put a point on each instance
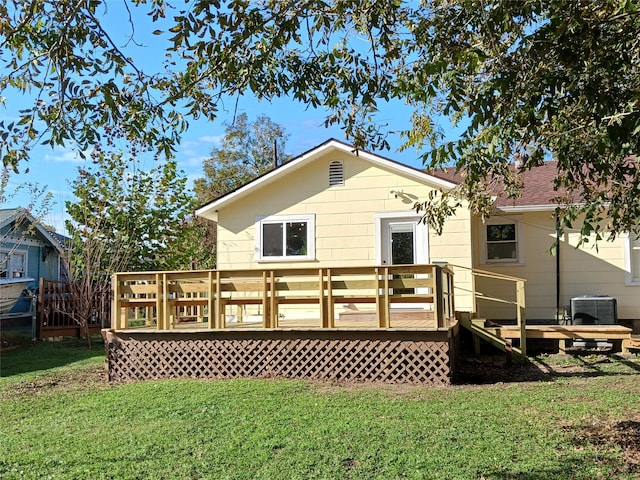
(632, 278)
(421, 235)
(310, 219)
(8, 267)
(519, 260)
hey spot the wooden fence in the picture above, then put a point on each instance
(161, 300)
(57, 306)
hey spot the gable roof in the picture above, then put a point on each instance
(537, 193)
(209, 210)
(10, 215)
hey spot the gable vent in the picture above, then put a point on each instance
(336, 173)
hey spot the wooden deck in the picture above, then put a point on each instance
(375, 324)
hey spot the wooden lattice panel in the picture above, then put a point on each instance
(391, 358)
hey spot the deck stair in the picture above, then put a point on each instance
(501, 336)
(631, 343)
(477, 327)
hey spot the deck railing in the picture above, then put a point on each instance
(163, 300)
(517, 303)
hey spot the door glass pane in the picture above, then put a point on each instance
(296, 238)
(401, 248)
(272, 239)
(402, 251)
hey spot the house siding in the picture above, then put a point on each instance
(584, 270)
(344, 215)
(33, 244)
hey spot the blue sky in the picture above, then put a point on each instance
(56, 168)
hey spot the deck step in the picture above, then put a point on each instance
(631, 343)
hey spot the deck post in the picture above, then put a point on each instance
(266, 314)
(167, 317)
(326, 302)
(384, 313)
(450, 296)
(159, 309)
(273, 305)
(116, 314)
(210, 309)
(522, 321)
(219, 313)
(436, 275)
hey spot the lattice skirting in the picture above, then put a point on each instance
(378, 356)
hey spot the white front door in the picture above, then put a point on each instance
(402, 239)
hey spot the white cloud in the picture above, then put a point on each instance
(64, 155)
(213, 139)
(191, 161)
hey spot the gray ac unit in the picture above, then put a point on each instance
(594, 310)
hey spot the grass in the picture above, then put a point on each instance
(59, 419)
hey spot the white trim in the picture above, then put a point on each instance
(43, 231)
(310, 219)
(22, 241)
(519, 260)
(629, 279)
(421, 239)
(209, 211)
(529, 208)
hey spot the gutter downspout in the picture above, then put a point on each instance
(557, 265)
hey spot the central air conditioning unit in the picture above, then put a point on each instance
(594, 310)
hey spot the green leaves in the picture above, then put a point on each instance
(545, 79)
(126, 218)
(246, 152)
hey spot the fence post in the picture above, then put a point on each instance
(40, 307)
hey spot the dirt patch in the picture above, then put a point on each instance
(90, 378)
(617, 441)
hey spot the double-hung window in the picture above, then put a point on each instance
(502, 242)
(285, 238)
(13, 264)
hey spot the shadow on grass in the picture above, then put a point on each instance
(483, 370)
(40, 356)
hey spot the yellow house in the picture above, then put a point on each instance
(334, 207)
(572, 285)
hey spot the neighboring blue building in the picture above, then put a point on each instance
(29, 250)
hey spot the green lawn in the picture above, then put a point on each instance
(64, 422)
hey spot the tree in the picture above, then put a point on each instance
(526, 78)
(134, 214)
(247, 150)
(124, 219)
